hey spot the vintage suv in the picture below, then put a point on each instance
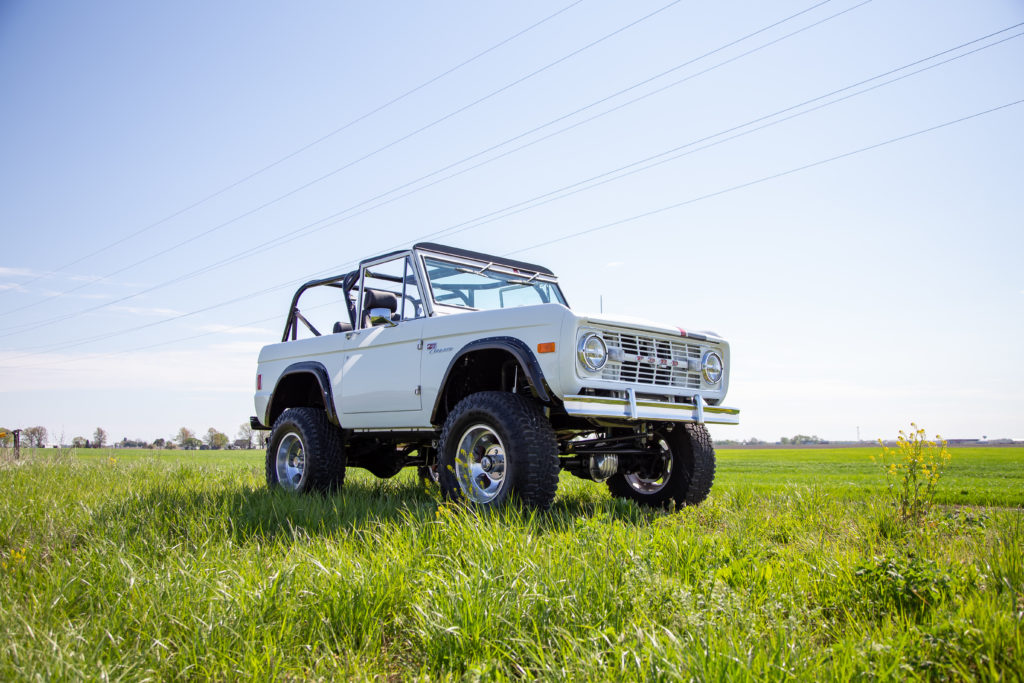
(473, 368)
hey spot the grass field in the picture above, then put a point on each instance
(129, 565)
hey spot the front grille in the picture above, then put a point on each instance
(651, 360)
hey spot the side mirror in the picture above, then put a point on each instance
(381, 316)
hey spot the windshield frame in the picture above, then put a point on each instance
(505, 272)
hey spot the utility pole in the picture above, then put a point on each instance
(858, 433)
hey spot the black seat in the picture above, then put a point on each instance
(342, 327)
(378, 298)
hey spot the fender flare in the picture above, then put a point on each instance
(319, 371)
(519, 350)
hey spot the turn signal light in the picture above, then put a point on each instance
(546, 347)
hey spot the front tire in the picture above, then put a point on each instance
(681, 470)
(305, 453)
(495, 445)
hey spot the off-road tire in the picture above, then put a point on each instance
(531, 463)
(323, 447)
(691, 474)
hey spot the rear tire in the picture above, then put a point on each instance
(682, 471)
(305, 453)
(495, 445)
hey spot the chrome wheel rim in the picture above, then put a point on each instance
(480, 464)
(653, 484)
(291, 461)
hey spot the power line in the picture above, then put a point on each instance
(296, 152)
(311, 227)
(764, 179)
(168, 342)
(492, 216)
(358, 160)
(107, 335)
(579, 186)
(618, 107)
(636, 166)
(668, 155)
(605, 226)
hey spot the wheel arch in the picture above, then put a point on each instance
(306, 384)
(482, 365)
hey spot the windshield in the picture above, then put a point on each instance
(485, 287)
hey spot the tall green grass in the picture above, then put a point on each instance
(130, 566)
(975, 476)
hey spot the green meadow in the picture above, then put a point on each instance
(133, 565)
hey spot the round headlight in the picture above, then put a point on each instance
(592, 352)
(712, 367)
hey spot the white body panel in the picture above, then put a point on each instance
(381, 371)
(389, 377)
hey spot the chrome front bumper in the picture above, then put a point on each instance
(631, 408)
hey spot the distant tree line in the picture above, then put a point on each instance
(185, 439)
(800, 439)
(99, 440)
(214, 439)
(31, 437)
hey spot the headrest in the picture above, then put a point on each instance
(378, 298)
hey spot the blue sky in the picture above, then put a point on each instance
(868, 289)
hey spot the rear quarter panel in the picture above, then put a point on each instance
(274, 359)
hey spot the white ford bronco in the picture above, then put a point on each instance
(473, 369)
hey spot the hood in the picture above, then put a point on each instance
(631, 323)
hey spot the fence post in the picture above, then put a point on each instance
(17, 443)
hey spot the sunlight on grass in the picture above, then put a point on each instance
(151, 565)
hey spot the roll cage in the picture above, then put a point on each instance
(431, 294)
